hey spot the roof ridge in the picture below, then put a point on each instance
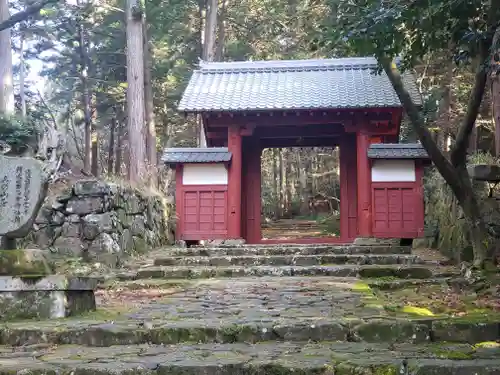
(286, 69)
(413, 145)
(289, 65)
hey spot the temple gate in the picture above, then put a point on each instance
(246, 107)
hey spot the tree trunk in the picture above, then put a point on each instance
(454, 172)
(444, 114)
(95, 145)
(22, 76)
(119, 148)
(87, 115)
(135, 91)
(208, 51)
(210, 30)
(221, 32)
(495, 88)
(288, 180)
(6, 76)
(276, 186)
(95, 154)
(149, 111)
(111, 146)
(302, 178)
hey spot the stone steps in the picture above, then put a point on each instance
(364, 271)
(121, 331)
(288, 260)
(299, 358)
(255, 310)
(382, 284)
(274, 250)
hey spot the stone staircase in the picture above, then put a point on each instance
(291, 229)
(258, 310)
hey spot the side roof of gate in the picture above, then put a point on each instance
(180, 155)
(344, 83)
(397, 151)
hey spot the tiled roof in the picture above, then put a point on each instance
(397, 151)
(292, 84)
(195, 155)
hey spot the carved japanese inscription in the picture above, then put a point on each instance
(21, 182)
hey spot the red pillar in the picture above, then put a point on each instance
(252, 200)
(364, 186)
(234, 183)
(344, 190)
(179, 200)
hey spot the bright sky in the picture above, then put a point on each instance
(36, 66)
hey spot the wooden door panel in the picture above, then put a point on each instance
(394, 211)
(204, 212)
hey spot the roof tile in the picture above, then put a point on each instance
(397, 151)
(195, 155)
(297, 84)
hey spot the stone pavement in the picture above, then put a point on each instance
(266, 324)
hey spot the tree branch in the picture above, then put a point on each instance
(458, 153)
(25, 14)
(440, 161)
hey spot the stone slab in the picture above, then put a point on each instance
(45, 304)
(283, 250)
(298, 358)
(25, 262)
(248, 310)
(365, 271)
(485, 172)
(46, 283)
(288, 260)
(104, 333)
(22, 190)
(45, 297)
(368, 241)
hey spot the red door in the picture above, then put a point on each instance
(397, 210)
(204, 212)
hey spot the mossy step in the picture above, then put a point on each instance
(286, 250)
(297, 358)
(103, 333)
(199, 272)
(288, 260)
(391, 284)
(27, 262)
(377, 283)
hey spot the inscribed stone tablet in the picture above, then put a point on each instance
(21, 182)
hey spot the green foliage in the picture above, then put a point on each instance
(19, 135)
(413, 30)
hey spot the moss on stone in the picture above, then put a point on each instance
(140, 245)
(24, 262)
(385, 370)
(362, 287)
(481, 317)
(31, 279)
(414, 310)
(444, 352)
(487, 344)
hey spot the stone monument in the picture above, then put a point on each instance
(28, 286)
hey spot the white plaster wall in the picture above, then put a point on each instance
(204, 174)
(393, 171)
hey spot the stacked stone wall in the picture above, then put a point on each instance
(103, 221)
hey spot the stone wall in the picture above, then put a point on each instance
(103, 222)
(447, 229)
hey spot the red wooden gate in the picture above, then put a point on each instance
(203, 212)
(397, 210)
